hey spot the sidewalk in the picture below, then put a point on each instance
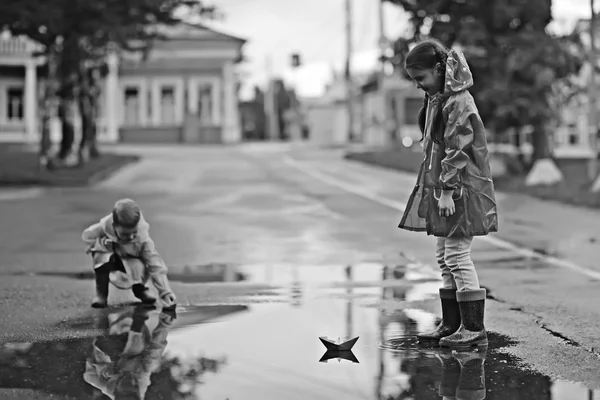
(552, 228)
(20, 194)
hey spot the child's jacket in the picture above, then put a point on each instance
(459, 163)
(142, 248)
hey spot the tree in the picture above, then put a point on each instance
(260, 118)
(76, 36)
(518, 67)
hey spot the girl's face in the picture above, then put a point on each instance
(428, 80)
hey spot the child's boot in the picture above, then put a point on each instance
(471, 332)
(141, 292)
(101, 298)
(471, 385)
(450, 318)
(450, 376)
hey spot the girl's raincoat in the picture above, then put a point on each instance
(459, 163)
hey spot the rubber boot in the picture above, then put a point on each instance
(141, 292)
(450, 376)
(450, 318)
(102, 280)
(471, 332)
(471, 384)
(135, 337)
(139, 318)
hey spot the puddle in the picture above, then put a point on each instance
(334, 276)
(187, 274)
(272, 351)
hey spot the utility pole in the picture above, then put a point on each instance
(592, 122)
(383, 47)
(272, 124)
(383, 42)
(348, 71)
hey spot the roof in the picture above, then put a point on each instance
(196, 31)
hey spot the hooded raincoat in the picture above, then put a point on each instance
(140, 253)
(459, 163)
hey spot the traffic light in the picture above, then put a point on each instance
(296, 62)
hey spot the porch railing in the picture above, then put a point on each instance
(17, 46)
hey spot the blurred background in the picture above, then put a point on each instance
(75, 74)
(274, 96)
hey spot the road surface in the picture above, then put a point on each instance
(270, 247)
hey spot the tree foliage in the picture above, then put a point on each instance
(96, 24)
(518, 67)
(75, 38)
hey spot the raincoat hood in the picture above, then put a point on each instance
(458, 76)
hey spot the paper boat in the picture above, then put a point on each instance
(332, 346)
(344, 355)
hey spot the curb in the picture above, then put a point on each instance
(108, 172)
(21, 194)
(69, 182)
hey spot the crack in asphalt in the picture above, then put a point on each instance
(539, 322)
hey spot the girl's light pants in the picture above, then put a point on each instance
(454, 259)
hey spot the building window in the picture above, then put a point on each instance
(149, 103)
(132, 106)
(186, 99)
(167, 105)
(573, 134)
(15, 97)
(205, 103)
(394, 123)
(411, 110)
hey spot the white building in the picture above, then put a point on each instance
(572, 139)
(327, 116)
(185, 91)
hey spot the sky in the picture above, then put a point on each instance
(316, 30)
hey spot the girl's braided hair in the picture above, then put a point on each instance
(426, 55)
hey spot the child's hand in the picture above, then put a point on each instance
(106, 242)
(88, 249)
(101, 241)
(169, 300)
(446, 204)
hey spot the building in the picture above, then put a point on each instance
(391, 105)
(574, 136)
(327, 116)
(185, 90)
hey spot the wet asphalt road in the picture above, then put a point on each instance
(265, 259)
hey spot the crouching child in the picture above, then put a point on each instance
(124, 254)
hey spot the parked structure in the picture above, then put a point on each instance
(390, 108)
(327, 116)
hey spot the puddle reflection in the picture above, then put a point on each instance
(126, 361)
(410, 371)
(272, 351)
(120, 365)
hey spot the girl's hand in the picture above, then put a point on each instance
(446, 204)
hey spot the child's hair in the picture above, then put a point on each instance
(126, 213)
(426, 55)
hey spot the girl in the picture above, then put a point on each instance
(454, 195)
